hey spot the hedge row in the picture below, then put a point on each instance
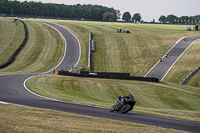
(108, 75)
(12, 58)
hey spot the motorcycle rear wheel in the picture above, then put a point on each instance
(125, 109)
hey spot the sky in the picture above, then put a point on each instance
(149, 9)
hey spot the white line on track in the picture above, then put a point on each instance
(162, 57)
(50, 70)
(58, 64)
(1, 102)
(65, 44)
(176, 59)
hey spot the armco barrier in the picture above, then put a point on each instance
(107, 75)
(11, 59)
(190, 75)
(91, 49)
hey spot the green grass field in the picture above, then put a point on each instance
(185, 65)
(151, 98)
(134, 53)
(13, 34)
(20, 119)
(43, 51)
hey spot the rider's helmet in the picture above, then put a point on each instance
(129, 94)
(131, 97)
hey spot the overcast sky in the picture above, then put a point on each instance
(149, 9)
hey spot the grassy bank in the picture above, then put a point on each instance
(43, 51)
(31, 120)
(13, 34)
(152, 98)
(194, 80)
(134, 53)
(188, 62)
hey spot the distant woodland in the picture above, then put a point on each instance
(173, 19)
(90, 12)
(84, 12)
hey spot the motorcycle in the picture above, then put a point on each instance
(122, 105)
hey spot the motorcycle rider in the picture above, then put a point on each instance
(124, 104)
(128, 98)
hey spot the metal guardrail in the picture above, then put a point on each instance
(190, 75)
(91, 50)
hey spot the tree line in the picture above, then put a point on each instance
(127, 17)
(90, 12)
(172, 19)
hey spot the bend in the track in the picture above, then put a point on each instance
(12, 90)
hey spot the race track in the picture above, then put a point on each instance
(161, 68)
(12, 90)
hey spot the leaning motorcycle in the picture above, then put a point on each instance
(122, 105)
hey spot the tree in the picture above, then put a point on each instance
(118, 14)
(136, 17)
(108, 16)
(92, 12)
(171, 18)
(126, 16)
(153, 21)
(162, 19)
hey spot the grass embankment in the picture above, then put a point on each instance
(188, 62)
(152, 98)
(31, 120)
(43, 51)
(134, 53)
(13, 34)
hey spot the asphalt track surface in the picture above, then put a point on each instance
(160, 69)
(13, 90)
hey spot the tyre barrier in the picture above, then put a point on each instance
(107, 75)
(91, 50)
(12, 58)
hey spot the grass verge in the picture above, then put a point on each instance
(11, 38)
(188, 62)
(151, 98)
(30, 120)
(43, 51)
(136, 52)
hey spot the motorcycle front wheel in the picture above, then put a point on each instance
(125, 108)
(112, 109)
